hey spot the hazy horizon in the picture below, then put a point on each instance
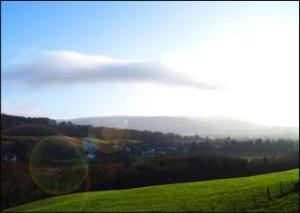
(202, 118)
(67, 60)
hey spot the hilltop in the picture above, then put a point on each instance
(204, 126)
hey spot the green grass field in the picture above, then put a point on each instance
(235, 194)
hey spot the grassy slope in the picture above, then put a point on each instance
(288, 203)
(234, 194)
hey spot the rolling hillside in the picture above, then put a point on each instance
(236, 194)
(206, 126)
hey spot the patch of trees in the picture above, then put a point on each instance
(10, 121)
(17, 186)
(171, 169)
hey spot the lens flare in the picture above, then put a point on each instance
(109, 140)
(57, 164)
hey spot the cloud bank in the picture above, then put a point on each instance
(67, 67)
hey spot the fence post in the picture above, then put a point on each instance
(268, 194)
(254, 200)
(281, 189)
(296, 186)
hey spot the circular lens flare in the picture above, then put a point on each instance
(57, 164)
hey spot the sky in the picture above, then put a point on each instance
(77, 59)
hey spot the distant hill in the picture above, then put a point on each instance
(244, 194)
(210, 126)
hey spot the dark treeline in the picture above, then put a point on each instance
(146, 158)
(151, 143)
(171, 169)
(18, 186)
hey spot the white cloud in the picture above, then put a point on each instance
(65, 67)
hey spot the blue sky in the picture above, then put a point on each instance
(167, 54)
(139, 30)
